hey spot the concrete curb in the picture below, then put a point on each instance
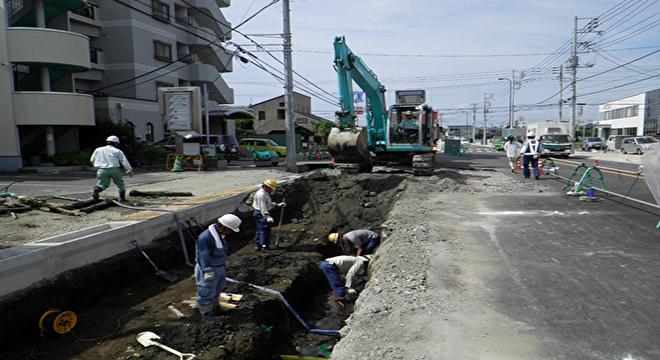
(25, 265)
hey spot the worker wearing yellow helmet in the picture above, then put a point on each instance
(357, 242)
(262, 205)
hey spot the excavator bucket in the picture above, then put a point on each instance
(349, 146)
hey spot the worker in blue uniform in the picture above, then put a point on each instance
(531, 151)
(211, 257)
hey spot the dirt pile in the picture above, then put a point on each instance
(260, 326)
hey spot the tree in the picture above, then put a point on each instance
(322, 130)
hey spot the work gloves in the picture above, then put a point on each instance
(270, 220)
(282, 204)
(209, 276)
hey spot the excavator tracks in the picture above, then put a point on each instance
(423, 164)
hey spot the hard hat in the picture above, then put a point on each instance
(531, 134)
(230, 221)
(113, 139)
(333, 238)
(271, 183)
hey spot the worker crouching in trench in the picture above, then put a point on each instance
(351, 268)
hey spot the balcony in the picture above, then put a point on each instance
(56, 49)
(219, 91)
(53, 108)
(215, 56)
(210, 8)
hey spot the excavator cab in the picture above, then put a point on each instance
(410, 125)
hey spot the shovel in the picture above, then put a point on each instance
(148, 338)
(279, 229)
(163, 274)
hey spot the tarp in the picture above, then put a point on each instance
(651, 163)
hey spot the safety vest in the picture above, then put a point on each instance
(531, 147)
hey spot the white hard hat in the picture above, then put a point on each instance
(230, 221)
(531, 133)
(113, 139)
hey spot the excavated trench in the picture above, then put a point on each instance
(120, 297)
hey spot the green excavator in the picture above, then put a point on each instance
(404, 134)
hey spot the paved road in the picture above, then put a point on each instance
(553, 277)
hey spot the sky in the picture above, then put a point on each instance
(456, 51)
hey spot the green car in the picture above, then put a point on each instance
(497, 143)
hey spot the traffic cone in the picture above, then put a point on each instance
(540, 166)
(177, 167)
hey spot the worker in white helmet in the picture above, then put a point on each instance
(262, 204)
(351, 268)
(211, 257)
(108, 160)
(530, 152)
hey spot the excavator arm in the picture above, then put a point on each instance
(348, 143)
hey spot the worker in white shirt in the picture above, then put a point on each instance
(262, 205)
(356, 242)
(348, 267)
(108, 160)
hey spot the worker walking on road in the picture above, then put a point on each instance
(108, 161)
(262, 205)
(512, 148)
(356, 242)
(338, 268)
(530, 152)
(211, 257)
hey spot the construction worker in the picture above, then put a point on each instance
(108, 161)
(262, 205)
(512, 148)
(211, 257)
(338, 268)
(530, 152)
(357, 242)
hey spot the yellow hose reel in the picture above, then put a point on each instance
(58, 322)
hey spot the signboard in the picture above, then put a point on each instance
(410, 97)
(178, 108)
(359, 104)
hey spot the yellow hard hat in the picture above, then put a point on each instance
(271, 183)
(333, 237)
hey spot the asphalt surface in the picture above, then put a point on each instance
(571, 279)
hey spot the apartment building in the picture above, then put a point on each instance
(131, 39)
(40, 111)
(634, 115)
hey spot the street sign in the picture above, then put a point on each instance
(178, 111)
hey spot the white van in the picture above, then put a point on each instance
(614, 142)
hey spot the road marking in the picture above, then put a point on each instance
(533, 213)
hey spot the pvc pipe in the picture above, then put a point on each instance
(291, 309)
(177, 220)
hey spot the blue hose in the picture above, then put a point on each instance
(291, 309)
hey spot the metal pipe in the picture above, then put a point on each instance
(288, 305)
(177, 220)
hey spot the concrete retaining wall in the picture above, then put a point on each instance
(25, 265)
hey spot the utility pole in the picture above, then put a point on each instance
(513, 98)
(474, 122)
(561, 92)
(487, 97)
(574, 64)
(288, 88)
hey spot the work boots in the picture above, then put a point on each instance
(207, 311)
(95, 192)
(122, 197)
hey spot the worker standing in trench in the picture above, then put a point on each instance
(108, 161)
(357, 242)
(262, 204)
(211, 257)
(344, 266)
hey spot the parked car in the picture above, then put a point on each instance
(638, 144)
(613, 142)
(497, 143)
(589, 143)
(224, 144)
(249, 144)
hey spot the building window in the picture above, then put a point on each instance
(281, 104)
(280, 114)
(262, 115)
(132, 126)
(162, 51)
(630, 131)
(86, 11)
(149, 134)
(160, 11)
(94, 55)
